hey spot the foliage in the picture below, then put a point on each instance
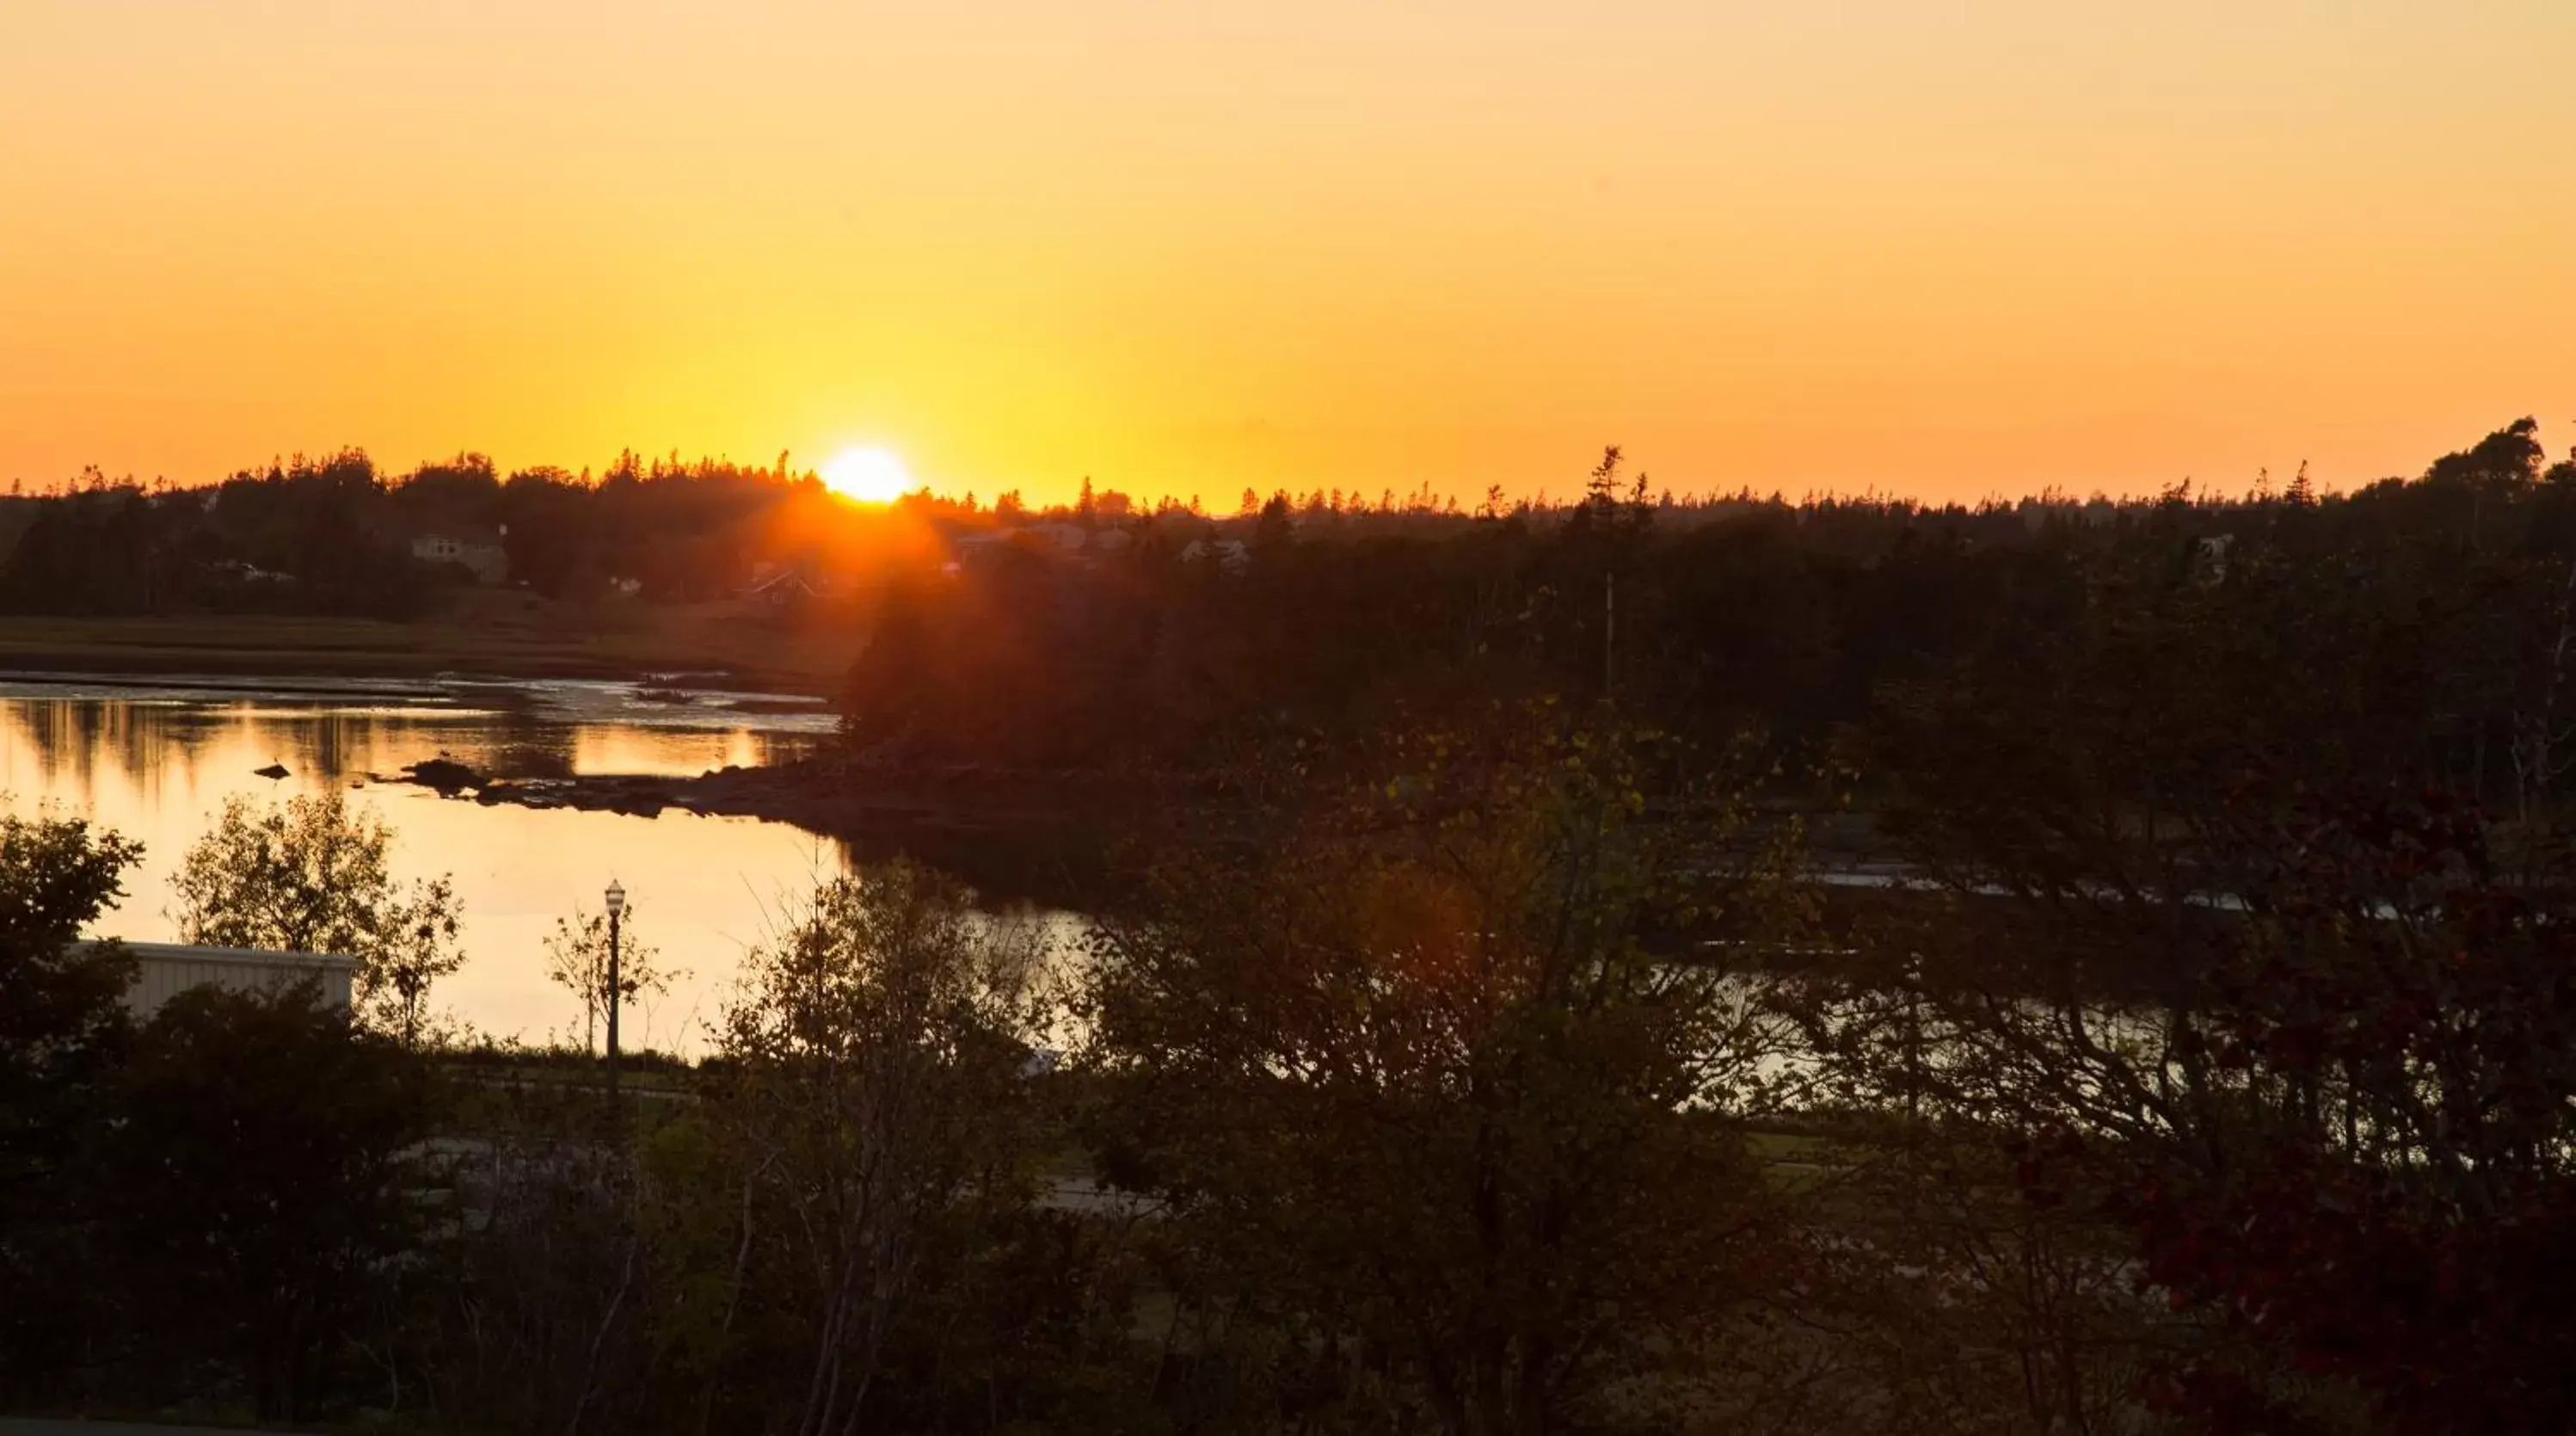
(876, 1094)
(577, 961)
(259, 1180)
(2240, 985)
(2359, 1156)
(1415, 1068)
(59, 999)
(2418, 613)
(312, 874)
(332, 534)
(1943, 1300)
(62, 1027)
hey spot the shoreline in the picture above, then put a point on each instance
(493, 638)
(1025, 836)
(1016, 833)
(820, 794)
(290, 686)
(664, 697)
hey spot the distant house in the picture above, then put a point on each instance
(1075, 538)
(251, 573)
(166, 969)
(783, 589)
(2209, 559)
(1227, 554)
(979, 546)
(485, 558)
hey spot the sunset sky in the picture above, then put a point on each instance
(1952, 250)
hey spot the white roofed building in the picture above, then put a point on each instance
(166, 969)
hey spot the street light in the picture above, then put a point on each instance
(616, 993)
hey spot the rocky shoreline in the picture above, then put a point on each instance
(1047, 836)
(823, 795)
(1014, 836)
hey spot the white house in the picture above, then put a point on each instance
(1227, 554)
(166, 969)
(2210, 559)
(489, 561)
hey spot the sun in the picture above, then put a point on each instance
(868, 476)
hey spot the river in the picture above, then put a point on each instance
(156, 763)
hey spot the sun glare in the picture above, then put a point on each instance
(869, 476)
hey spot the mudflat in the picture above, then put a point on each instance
(503, 635)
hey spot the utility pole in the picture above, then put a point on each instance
(1609, 628)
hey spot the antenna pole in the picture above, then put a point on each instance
(1609, 627)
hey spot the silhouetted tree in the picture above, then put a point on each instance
(1411, 1065)
(310, 874)
(259, 1180)
(62, 1029)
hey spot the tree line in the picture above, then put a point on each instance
(1477, 1051)
(333, 534)
(2425, 612)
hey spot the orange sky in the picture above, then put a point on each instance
(1950, 249)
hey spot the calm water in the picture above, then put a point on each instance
(156, 764)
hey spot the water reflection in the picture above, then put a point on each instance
(156, 766)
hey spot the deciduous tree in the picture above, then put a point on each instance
(313, 874)
(1429, 1065)
(62, 1027)
(577, 960)
(260, 1179)
(875, 1089)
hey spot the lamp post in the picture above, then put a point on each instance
(616, 991)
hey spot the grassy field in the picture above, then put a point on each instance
(501, 634)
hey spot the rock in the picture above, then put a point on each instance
(444, 774)
(272, 772)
